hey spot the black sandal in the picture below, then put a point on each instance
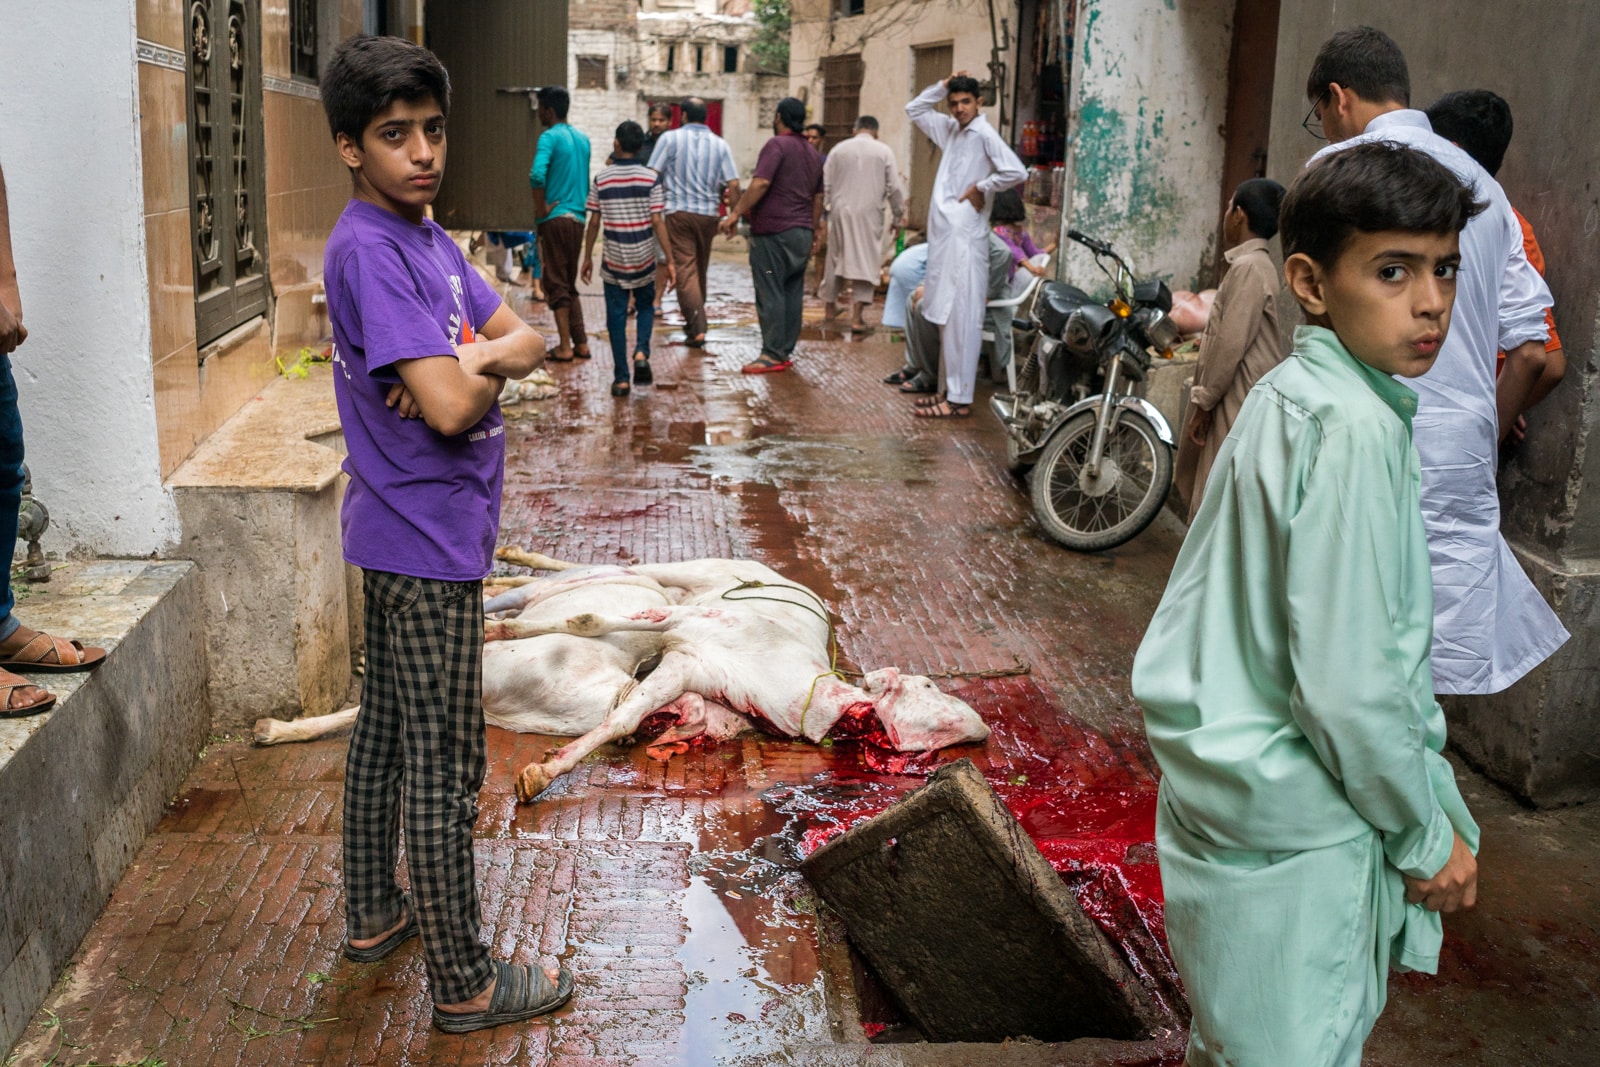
(642, 374)
(901, 376)
(621, 388)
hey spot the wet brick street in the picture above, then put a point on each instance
(669, 887)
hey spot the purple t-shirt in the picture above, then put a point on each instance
(418, 503)
(795, 170)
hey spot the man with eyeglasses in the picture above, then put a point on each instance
(1491, 626)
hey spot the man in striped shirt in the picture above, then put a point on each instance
(697, 168)
(626, 200)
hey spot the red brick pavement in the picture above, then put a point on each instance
(663, 885)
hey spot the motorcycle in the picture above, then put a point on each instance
(1101, 458)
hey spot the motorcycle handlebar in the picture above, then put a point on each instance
(1090, 243)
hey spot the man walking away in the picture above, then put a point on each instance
(560, 179)
(627, 200)
(1490, 626)
(975, 165)
(859, 177)
(696, 167)
(1241, 341)
(784, 203)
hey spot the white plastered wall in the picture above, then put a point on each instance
(1149, 99)
(69, 142)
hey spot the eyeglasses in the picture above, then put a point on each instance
(1312, 123)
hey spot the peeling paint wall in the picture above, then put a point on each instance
(1149, 96)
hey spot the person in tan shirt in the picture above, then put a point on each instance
(1241, 340)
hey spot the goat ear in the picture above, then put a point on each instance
(881, 681)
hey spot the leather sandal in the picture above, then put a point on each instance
(944, 410)
(521, 991)
(642, 374)
(901, 376)
(52, 655)
(42, 701)
(930, 401)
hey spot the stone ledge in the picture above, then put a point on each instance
(269, 444)
(82, 784)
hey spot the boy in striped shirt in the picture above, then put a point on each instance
(627, 199)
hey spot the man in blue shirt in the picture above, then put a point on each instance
(560, 179)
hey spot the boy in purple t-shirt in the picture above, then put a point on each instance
(422, 348)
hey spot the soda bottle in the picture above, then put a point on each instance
(900, 241)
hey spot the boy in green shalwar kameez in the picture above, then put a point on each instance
(1309, 830)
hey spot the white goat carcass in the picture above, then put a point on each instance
(712, 645)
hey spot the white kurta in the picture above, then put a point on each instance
(1490, 625)
(953, 295)
(860, 179)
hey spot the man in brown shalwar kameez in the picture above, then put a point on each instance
(1241, 340)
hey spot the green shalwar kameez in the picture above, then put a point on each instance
(1288, 698)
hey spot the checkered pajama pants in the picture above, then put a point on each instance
(418, 756)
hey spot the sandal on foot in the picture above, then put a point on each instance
(900, 377)
(52, 655)
(912, 386)
(767, 365)
(374, 953)
(621, 388)
(10, 684)
(642, 374)
(695, 342)
(585, 354)
(555, 356)
(944, 410)
(930, 401)
(521, 991)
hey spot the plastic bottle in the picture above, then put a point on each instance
(900, 241)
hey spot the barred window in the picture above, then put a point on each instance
(591, 72)
(303, 39)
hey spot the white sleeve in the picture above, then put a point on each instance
(1523, 293)
(937, 126)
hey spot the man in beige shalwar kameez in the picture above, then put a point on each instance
(859, 178)
(1241, 341)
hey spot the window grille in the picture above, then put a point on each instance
(303, 39)
(591, 72)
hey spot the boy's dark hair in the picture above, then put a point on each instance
(1008, 207)
(1259, 199)
(867, 122)
(963, 84)
(1370, 188)
(1477, 120)
(630, 136)
(367, 74)
(1364, 60)
(822, 131)
(557, 99)
(792, 113)
(694, 109)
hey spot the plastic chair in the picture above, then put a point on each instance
(997, 323)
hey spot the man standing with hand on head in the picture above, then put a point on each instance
(975, 165)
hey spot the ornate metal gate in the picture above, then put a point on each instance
(227, 198)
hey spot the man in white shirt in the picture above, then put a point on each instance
(696, 167)
(1491, 627)
(974, 166)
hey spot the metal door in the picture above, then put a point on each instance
(932, 64)
(496, 51)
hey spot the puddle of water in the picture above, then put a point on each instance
(811, 459)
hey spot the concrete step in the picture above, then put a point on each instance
(82, 784)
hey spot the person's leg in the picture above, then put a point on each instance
(768, 273)
(557, 286)
(702, 252)
(373, 769)
(922, 351)
(862, 292)
(11, 479)
(644, 320)
(571, 233)
(437, 634)
(797, 249)
(963, 337)
(617, 328)
(683, 233)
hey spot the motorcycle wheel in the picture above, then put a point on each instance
(1091, 515)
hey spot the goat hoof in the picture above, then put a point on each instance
(265, 731)
(531, 781)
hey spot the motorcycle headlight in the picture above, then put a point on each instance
(1089, 328)
(1160, 328)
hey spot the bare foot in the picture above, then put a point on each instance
(368, 942)
(482, 1000)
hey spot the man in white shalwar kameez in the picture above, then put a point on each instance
(974, 166)
(1490, 625)
(859, 179)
